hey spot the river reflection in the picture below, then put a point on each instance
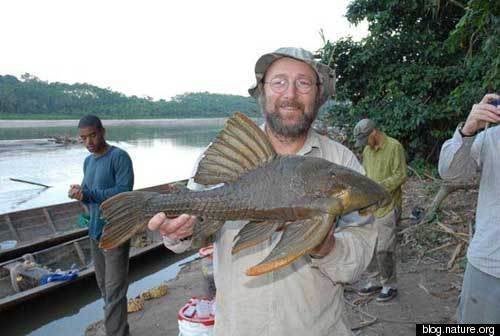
(188, 135)
(159, 155)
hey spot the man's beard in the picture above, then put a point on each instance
(275, 121)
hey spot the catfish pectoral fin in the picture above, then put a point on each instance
(254, 233)
(125, 216)
(298, 238)
(203, 230)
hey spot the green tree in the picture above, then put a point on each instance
(413, 73)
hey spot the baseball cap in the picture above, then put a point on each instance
(361, 132)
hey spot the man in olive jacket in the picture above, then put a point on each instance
(384, 162)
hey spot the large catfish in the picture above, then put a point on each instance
(302, 195)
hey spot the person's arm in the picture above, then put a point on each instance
(177, 245)
(124, 181)
(349, 160)
(176, 232)
(75, 190)
(365, 168)
(353, 163)
(458, 159)
(352, 251)
(399, 174)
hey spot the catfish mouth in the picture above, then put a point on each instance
(374, 206)
(368, 210)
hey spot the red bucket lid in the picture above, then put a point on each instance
(188, 312)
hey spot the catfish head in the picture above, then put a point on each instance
(359, 192)
(353, 190)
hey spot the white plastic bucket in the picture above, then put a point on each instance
(187, 328)
(197, 318)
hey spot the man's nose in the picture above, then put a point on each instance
(291, 90)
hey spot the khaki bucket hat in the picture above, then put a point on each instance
(325, 74)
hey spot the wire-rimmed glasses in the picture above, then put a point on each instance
(281, 84)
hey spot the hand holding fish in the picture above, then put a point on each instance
(173, 228)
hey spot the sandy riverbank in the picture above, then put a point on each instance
(114, 122)
(159, 316)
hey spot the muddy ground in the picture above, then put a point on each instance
(430, 268)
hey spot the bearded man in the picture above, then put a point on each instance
(306, 297)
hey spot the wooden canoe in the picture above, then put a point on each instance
(43, 227)
(74, 254)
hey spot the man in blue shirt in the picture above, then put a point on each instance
(106, 172)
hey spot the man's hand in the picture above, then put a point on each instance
(481, 114)
(325, 247)
(75, 192)
(173, 228)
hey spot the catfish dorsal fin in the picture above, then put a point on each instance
(240, 146)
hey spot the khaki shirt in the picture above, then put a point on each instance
(304, 298)
(387, 166)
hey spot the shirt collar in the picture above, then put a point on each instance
(383, 141)
(312, 142)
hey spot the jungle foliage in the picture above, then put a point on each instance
(420, 69)
(34, 98)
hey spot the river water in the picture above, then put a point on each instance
(160, 154)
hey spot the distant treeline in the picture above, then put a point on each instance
(30, 97)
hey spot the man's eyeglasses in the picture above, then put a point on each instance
(280, 85)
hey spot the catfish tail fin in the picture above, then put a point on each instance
(125, 215)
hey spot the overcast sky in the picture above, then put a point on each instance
(160, 48)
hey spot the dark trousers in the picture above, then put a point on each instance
(111, 273)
